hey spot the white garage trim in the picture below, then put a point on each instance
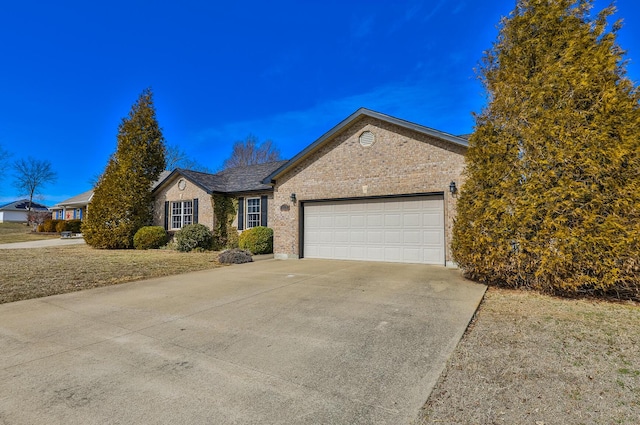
(395, 229)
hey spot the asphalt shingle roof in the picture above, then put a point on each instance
(82, 198)
(23, 205)
(233, 180)
(163, 175)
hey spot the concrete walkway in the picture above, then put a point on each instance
(271, 342)
(44, 243)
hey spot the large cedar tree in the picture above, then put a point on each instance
(122, 200)
(551, 199)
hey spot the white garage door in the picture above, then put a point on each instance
(406, 230)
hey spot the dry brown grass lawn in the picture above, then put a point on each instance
(19, 232)
(534, 359)
(32, 273)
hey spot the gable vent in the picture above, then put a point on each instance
(367, 139)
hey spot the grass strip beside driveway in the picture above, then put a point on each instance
(535, 359)
(33, 273)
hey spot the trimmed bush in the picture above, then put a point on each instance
(150, 237)
(40, 228)
(73, 225)
(61, 226)
(49, 226)
(194, 236)
(235, 256)
(257, 240)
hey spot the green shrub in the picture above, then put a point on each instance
(225, 240)
(49, 226)
(193, 236)
(258, 240)
(150, 237)
(224, 211)
(232, 237)
(61, 226)
(73, 225)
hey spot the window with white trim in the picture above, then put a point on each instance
(181, 214)
(253, 212)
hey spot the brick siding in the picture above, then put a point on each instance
(170, 192)
(400, 162)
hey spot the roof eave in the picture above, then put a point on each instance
(245, 191)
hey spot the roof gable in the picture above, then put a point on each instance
(247, 178)
(78, 200)
(458, 141)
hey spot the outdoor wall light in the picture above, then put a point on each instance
(452, 188)
(293, 198)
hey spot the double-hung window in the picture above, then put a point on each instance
(181, 214)
(253, 212)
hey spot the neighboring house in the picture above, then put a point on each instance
(185, 196)
(373, 188)
(17, 211)
(73, 208)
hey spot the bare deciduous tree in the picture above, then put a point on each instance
(177, 158)
(31, 175)
(4, 160)
(38, 217)
(250, 151)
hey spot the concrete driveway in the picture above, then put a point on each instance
(271, 342)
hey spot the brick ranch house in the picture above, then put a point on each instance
(373, 188)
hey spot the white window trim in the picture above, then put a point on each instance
(183, 217)
(252, 223)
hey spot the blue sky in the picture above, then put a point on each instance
(281, 70)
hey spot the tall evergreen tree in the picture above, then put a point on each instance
(122, 201)
(552, 193)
